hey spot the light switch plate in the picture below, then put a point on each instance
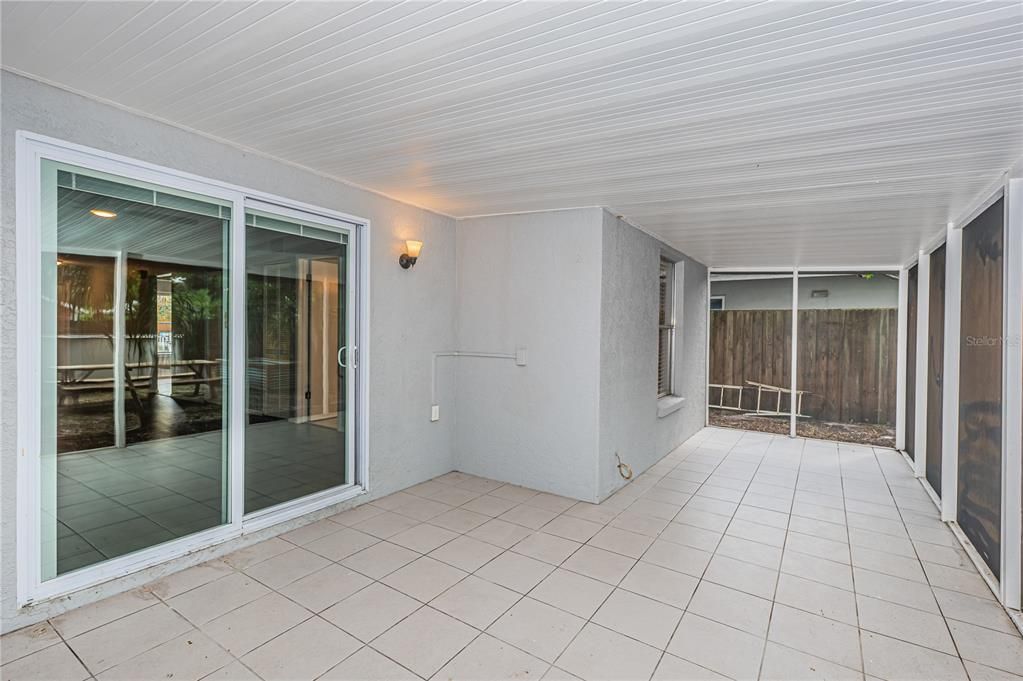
(435, 412)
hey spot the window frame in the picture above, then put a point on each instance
(667, 306)
(31, 149)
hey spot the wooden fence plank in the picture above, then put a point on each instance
(846, 359)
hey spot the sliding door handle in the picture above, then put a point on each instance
(341, 357)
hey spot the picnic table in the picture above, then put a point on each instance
(76, 379)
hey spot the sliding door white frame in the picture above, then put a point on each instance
(1007, 587)
(950, 374)
(794, 356)
(923, 320)
(297, 507)
(31, 150)
(902, 335)
(1012, 399)
(706, 355)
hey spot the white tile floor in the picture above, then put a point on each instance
(739, 555)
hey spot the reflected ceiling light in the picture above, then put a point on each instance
(411, 254)
(100, 213)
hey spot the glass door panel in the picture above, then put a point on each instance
(298, 358)
(979, 507)
(133, 366)
(935, 366)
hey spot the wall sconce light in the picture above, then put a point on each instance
(411, 254)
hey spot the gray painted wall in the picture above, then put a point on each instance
(629, 422)
(412, 312)
(844, 292)
(530, 280)
(577, 289)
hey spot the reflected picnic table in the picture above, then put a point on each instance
(76, 379)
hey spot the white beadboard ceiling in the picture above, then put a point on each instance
(744, 133)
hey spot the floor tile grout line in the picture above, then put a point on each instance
(703, 573)
(447, 661)
(721, 457)
(774, 595)
(637, 560)
(617, 586)
(313, 613)
(480, 632)
(946, 619)
(955, 645)
(38, 650)
(684, 610)
(193, 628)
(852, 571)
(199, 627)
(589, 620)
(92, 675)
(369, 643)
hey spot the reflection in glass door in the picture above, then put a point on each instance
(190, 362)
(298, 358)
(133, 352)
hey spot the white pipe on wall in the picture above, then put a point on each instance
(519, 356)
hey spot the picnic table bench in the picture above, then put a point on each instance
(76, 379)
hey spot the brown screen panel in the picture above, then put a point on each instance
(980, 385)
(935, 366)
(910, 423)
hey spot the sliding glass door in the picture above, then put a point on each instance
(979, 485)
(133, 366)
(298, 359)
(191, 364)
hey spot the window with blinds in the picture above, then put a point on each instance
(666, 327)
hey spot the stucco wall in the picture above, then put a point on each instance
(578, 290)
(530, 280)
(412, 312)
(629, 422)
(575, 288)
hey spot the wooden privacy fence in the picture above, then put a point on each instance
(846, 359)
